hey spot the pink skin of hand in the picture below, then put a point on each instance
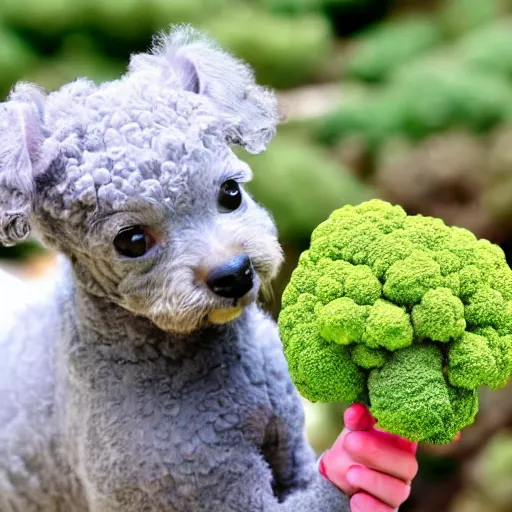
(373, 467)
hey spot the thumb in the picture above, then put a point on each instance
(358, 417)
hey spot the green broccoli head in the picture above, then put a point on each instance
(402, 312)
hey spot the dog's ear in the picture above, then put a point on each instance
(21, 142)
(202, 67)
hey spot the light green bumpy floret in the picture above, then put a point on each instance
(334, 373)
(368, 358)
(409, 279)
(439, 316)
(478, 358)
(342, 321)
(401, 310)
(388, 326)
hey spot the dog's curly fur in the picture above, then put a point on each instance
(117, 392)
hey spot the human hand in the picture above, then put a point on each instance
(374, 468)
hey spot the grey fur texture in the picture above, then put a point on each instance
(118, 390)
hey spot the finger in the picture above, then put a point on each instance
(362, 502)
(385, 488)
(334, 468)
(358, 417)
(375, 452)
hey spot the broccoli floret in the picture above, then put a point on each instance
(337, 376)
(478, 358)
(388, 326)
(362, 286)
(368, 357)
(439, 316)
(342, 321)
(470, 362)
(409, 279)
(464, 406)
(485, 307)
(402, 311)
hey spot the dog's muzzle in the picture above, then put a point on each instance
(233, 279)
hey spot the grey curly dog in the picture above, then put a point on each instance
(144, 377)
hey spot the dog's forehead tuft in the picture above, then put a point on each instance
(136, 148)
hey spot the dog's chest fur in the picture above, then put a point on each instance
(185, 406)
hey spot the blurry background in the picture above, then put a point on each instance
(407, 100)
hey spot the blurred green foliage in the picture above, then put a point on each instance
(21, 252)
(16, 58)
(493, 467)
(466, 86)
(372, 119)
(386, 47)
(419, 103)
(78, 56)
(301, 185)
(488, 48)
(284, 51)
(126, 19)
(345, 16)
(458, 17)
(300, 6)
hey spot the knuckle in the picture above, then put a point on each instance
(412, 469)
(357, 444)
(403, 494)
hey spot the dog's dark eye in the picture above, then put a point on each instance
(133, 242)
(230, 196)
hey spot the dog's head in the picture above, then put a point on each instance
(135, 182)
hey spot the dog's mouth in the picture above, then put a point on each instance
(223, 316)
(228, 312)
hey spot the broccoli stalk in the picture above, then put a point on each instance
(402, 312)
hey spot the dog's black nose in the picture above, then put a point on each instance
(232, 279)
